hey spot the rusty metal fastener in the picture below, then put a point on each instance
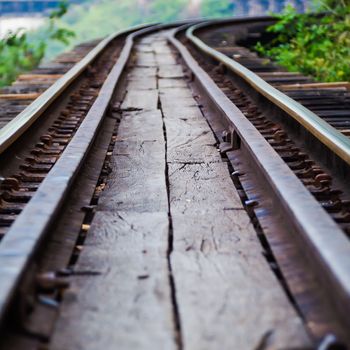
(251, 203)
(236, 173)
(49, 281)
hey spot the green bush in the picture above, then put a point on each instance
(19, 52)
(317, 45)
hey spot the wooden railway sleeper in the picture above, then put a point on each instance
(36, 168)
(41, 160)
(10, 208)
(17, 196)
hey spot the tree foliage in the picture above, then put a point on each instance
(317, 45)
(217, 8)
(19, 53)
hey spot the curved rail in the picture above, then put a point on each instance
(22, 241)
(16, 127)
(328, 135)
(308, 223)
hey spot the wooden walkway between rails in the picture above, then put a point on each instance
(172, 260)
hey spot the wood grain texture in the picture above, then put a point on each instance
(146, 59)
(137, 182)
(181, 112)
(165, 58)
(171, 83)
(177, 93)
(120, 298)
(190, 140)
(160, 47)
(140, 99)
(141, 126)
(138, 72)
(170, 71)
(201, 188)
(227, 296)
(142, 83)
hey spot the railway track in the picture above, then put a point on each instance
(288, 159)
(27, 87)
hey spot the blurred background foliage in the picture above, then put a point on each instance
(318, 46)
(21, 51)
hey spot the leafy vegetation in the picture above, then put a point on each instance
(97, 18)
(314, 45)
(19, 52)
(217, 8)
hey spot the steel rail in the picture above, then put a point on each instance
(325, 133)
(16, 127)
(322, 241)
(22, 241)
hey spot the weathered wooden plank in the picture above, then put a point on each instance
(120, 297)
(138, 181)
(143, 72)
(171, 83)
(140, 99)
(141, 126)
(176, 93)
(143, 48)
(190, 141)
(226, 294)
(170, 71)
(181, 112)
(146, 59)
(165, 58)
(142, 83)
(28, 96)
(161, 47)
(199, 188)
(29, 76)
(173, 102)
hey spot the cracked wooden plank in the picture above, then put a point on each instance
(165, 58)
(138, 167)
(139, 72)
(141, 126)
(123, 276)
(146, 59)
(120, 297)
(171, 83)
(170, 71)
(200, 188)
(160, 47)
(181, 112)
(226, 294)
(190, 140)
(140, 99)
(142, 83)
